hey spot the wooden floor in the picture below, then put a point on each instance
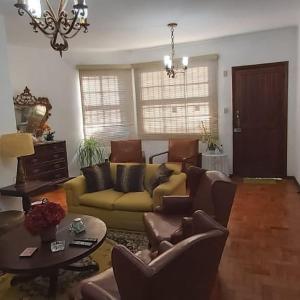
(262, 255)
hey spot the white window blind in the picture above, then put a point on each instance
(177, 106)
(107, 103)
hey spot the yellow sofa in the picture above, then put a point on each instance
(122, 210)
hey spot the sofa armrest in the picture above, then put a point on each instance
(175, 186)
(75, 188)
(91, 291)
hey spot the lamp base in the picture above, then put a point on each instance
(20, 178)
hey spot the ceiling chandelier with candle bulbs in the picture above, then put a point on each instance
(171, 69)
(59, 27)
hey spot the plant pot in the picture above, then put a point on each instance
(49, 234)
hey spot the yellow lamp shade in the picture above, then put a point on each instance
(16, 144)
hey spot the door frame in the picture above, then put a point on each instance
(285, 64)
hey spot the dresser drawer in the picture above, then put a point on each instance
(44, 158)
(49, 162)
(46, 167)
(41, 149)
(51, 175)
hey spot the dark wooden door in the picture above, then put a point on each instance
(260, 94)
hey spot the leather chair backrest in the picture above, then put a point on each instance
(212, 192)
(126, 151)
(183, 148)
(185, 271)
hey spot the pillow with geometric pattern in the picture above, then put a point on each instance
(98, 177)
(130, 178)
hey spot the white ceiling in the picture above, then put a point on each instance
(132, 24)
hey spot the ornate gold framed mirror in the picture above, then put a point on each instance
(31, 112)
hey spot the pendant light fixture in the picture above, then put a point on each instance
(169, 59)
(57, 26)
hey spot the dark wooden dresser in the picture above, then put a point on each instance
(49, 163)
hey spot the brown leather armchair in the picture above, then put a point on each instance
(182, 151)
(127, 151)
(184, 271)
(210, 191)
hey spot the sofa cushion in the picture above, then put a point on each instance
(130, 178)
(138, 201)
(102, 199)
(98, 177)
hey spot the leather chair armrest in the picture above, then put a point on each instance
(202, 222)
(157, 154)
(176, 205)
(91, 291)
(164, 246)
(187, 227)
(195, 160)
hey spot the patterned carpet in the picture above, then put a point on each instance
(37, 289)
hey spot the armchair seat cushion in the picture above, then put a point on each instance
(161, 227)
(136, 201)
(102, 199)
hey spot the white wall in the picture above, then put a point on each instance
(254, 48)
(7, 122)
(47, 75)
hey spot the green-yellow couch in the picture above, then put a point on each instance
(122, 210)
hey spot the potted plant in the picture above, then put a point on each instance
(212, 145)
(90, 152)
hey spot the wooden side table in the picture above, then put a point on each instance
(29, 189)
(215, 162)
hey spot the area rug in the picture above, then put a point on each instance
(37, 289)
(261, 180)
(133, 240)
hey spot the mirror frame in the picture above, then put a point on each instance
(26, 99)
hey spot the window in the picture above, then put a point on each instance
(107, 104)
(177, 106)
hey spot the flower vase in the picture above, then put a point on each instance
(48, 234)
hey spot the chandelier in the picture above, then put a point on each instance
(58, 27)
(169, 60)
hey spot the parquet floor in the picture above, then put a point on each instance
(262, 255)
(261, 260)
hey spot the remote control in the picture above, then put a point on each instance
(81, 244)
(91, 240)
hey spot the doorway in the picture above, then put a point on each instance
(260, 96)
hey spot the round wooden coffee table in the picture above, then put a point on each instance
(43, 261)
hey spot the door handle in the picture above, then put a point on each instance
(238, 128)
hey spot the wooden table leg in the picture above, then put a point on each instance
(26, 202)
(53, 283)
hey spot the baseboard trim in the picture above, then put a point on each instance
(295, 181)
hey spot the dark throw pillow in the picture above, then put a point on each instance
(130, 178)
(162, 175)
(98, 177)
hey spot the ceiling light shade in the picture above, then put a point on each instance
(59, 27)
(169, 60)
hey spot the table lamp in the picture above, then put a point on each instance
(17, 145)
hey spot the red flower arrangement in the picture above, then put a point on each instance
(43, 216)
